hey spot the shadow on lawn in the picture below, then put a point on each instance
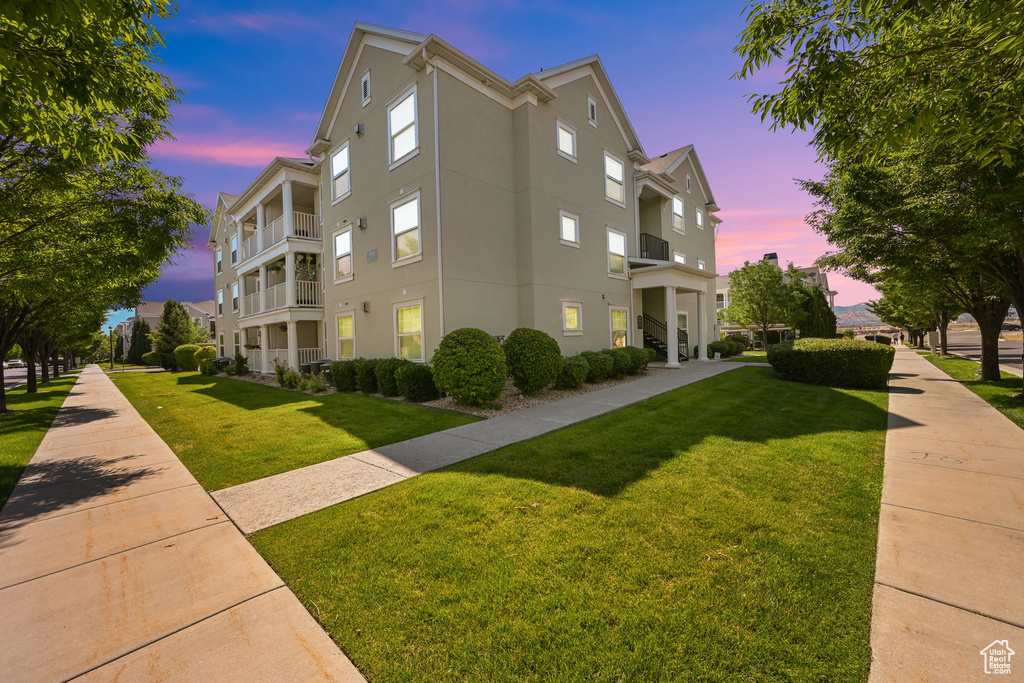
(607, 454)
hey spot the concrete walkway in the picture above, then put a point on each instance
(115, 564)
(949, 578)
(266, 502)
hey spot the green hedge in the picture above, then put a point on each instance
(366, 375)
(343, 374)
(206, 353)
(621, 361)
(386, 375)
(573, 373)
(416, 382)
(470, 365)
(834, 362)
(880, 339)
(533, 359)
(152, 358)
(207, 367)
(600, 365)
(725, 348)
(185, 357)
(639, 358)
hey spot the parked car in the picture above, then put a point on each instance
(16, 363)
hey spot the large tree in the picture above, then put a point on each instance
(174, 329)
(759, 296)
(139, 343)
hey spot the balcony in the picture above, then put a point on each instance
(654, 248)
(308, 294)
(304, 226)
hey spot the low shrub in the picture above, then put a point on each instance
(207, 367)
(343, 374)
(638, 359)
(291, 379)
(366, 375)
(738, 348)
(740, 339)
(599, 365)
(205, 353)
(314, 384)
(621, 361)
(573, 373)
(848, 334)
(152, 358)
(279, 370)
(241, 364)
(724, 348)
(834, 362)
(229, 369)
(185, 357)
(470, 365)
(880, 339)
(533, 359)
(386, 375)
(416, 382)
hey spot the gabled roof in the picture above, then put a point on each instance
(224, 201)
(297, 163)
(661, 164)
(667, 163)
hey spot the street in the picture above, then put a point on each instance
(968, 343)
(14, 376)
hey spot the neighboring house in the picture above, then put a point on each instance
(813, 277)
(202, 313)
(438, 195)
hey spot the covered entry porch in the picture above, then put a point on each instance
(671, 301)
(294, 340)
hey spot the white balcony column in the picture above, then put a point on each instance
(262, 287)
(240, 237)
(289, 212)
(264, 347)
(702, 325)
(289, 279)
(242, 308)
(261, 222)
(671, 328)
(293, 344)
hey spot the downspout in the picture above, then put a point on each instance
(437, 201)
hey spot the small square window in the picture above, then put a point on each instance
(679, 257)
(347, 336)
(677, 214)
(572, 318)
(592, 111)
(569, 228)
(364, 87)
(700, 264)
(566, 140)
(616, 252)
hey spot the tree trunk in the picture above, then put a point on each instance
(3, 392)
(44, 366)
(30, 381)
(943, 327)
(56, 365)
(764, 337)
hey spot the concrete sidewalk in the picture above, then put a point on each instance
(272, 500)
(115, 564)
(949, 577)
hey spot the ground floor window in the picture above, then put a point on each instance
(409, 328)
(620, 325)
(681, 321)
(572, 317)
(236, 342)
(346, 336)
(221, 345)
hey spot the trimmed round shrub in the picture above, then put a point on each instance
(880, 339)
(599, 365)
(386, 375)
(533, 359)
(638, 359)
(724, 348)
(740, 339)
(470, 365)
(205, 353)
(415, 382)
(207, 367)
(343, 374)
(573, 373)
(834, 362)
(366, 375)
(621, 361)
(151, 358)
(737, 347)
(185, 357)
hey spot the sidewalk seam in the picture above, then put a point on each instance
(954, 469)
(97, 507)
(949, 604)
(962, 519)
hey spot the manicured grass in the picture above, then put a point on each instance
(127, 366)
(998, 394)
(23, 429)
(228, 431)
(724, 531)
(750, 357)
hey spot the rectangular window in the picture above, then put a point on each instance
(681, 321)
(219, 258)
(343, 254)
(566, 140)
(614, 179)
(592, 111)
(221, 345)
(236, 343)
(220, 302)
(347, 336)
(234, 248)
(679, 257)
(620, 325)
(677, 214)
(341, 181)
(234, 296)
(402, 128)
(364, 88)
(569, 228)
(700, 264)
(405, 226)
(572, 318)
(700, 219)
(616, 252)
(687, 183)
(720, 301)
(409, 326)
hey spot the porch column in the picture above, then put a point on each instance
(293, 344)
(264, 350)
(671, 328)
(242, 306)
(702, 325)
(289, 278)
(289, 214)
(262, 287)
(240, 237)
(261, 222)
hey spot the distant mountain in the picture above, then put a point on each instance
(857, 315)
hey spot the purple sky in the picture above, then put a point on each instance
(257, 75)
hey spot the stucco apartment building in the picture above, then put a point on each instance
(438, 195)
(202, 313)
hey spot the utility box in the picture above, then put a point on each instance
(933, 341)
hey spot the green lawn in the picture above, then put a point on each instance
(750, 357)
(998, 394)
(725, 531)
(23, 429)
(228, 432)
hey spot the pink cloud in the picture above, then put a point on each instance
(251, 150)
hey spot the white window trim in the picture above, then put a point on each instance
(611, 328)
(678, 253)
(330, 170)
(337, 340)
(700, 219)
(236, 342)
(365, 78)
(395, 163)
(218, 260)
(560, 125)
(236, 299)
(687, 314)
(562, 213)
(688, 190)
(352, 252)
(572, 304)
(221, 344)
(409, 303)
(608, 249)
(604, 173)
(395, 261)
(220, 302)
(233, 243)
(682, 216)
(592, 106)
(701, 265)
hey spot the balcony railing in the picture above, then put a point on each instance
(306, 225)
(305, 356)
(276, 296)
(307, 293)
(249, 247)
(310, 355)
(251, 305)
(652, 247)
(273, 232)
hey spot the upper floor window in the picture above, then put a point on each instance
(341, 181)
(614, 179)
(234, 248)
(402, 128)
(343, 254)
(687, 182)
(218, 257)
(409, 330)
(616, 252)
(234, 296)
(566, 140)
(679, 257)
(220, 303)
(677, 214)
(700, 219)
(405, 226)
(592, 111)
(569, 228)
(364, 88)
(720, 300)
(700, 264)
(346, 336)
